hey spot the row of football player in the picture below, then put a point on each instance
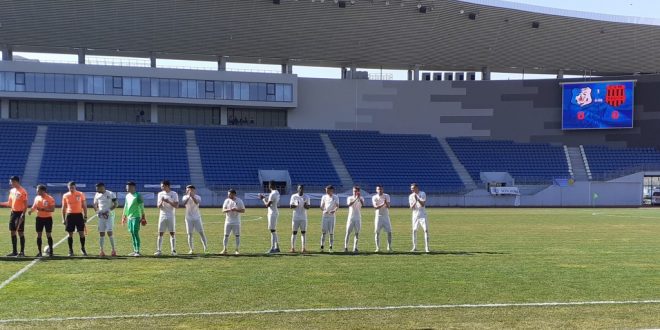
(74, 216)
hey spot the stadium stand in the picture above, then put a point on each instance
(530, 163)
(15, 141)
(235, 155)
(396, 160)
(90, 153)
(604, 160)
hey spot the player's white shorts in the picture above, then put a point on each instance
(328, 224)
(420, 222)
(272, 221)
(166, 225)
(194, 225)
(355, 224)
(383, 223)
(232, 228)
(106, 222)
(299, 225)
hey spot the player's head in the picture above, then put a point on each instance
(190, 188)
(41, 190)
(330, 189)
(72, 186)
(231, 193)
(15, 181)
(300, 189)
(130, 187)
(356, 190)
(414, 188)
(165, 185)
(379, 189)
(271, 185)
(100, 187)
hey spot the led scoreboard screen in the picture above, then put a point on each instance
(597, 105)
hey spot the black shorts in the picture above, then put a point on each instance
(75, 222)
(44, 223)
(14, 218)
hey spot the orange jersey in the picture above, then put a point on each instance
(18, 199)
(43, 203)
(74, 202)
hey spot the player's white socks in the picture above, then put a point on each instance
(377, 241)
(225, 242)
(173, 243)
(112, 242)
(332, 240)
(238, 242)
(273, 241)
(302, 240)
(203, 240)
(159, 243)
(355, 242)
(102, 242)
(293, 241)
(190, 241)
(426, 240)
(389, 241)
(322, 239)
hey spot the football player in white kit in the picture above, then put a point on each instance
(417, 201)
(354, 222)
(381, 203)
(105, 203)
(194, 224)
(329, 206)
(167, 202)
(232, 208)
(300, 203)
(273, 214)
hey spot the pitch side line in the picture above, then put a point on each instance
(335, 309)
(34, 262)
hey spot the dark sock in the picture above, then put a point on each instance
(70, 241)
(50, 244)
(82, 242)
(13, 244)
(39, 241)
(22, 239)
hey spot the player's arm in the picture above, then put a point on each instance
(422, 201)
(267, 202)
(64, 206)
(83, 204)
(115, 204)
(322, 204)
(95, 205)
(291, 205)
(240, 208)
(307, 203)
(387, 203)
(412, 202)
(353, 202)
(34, 207)
(175, 202)
(336, 206)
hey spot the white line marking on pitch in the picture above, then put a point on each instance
(34, 262)
(332, 309)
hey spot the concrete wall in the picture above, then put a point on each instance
(524, 111)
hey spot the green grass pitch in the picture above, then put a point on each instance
(479, 256)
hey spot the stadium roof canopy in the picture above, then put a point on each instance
(393, 34)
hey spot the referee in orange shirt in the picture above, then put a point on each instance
(18, 199)
(74, 216)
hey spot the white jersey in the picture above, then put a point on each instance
(419, 211)
(104, 200)
(192, 209)
(330, 203)
(167, 210)
(233, 217)
(274, 197)
(378, 200)
(354, 211)
(299, 212)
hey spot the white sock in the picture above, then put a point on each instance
(112, 242)
(238, 242)
(377, 240)
(159, 245)
(277, 240)
(101, 242)
(293, 241)
(203, 236)
(389, 241)
(302, 240)
(322, 239)
(224, 242)
(272, 241)
(346, 240)
(355, 241)
(332, 240)
(426, 240)
(190, 241)
(173, 243)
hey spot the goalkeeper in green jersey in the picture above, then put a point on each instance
(134, 215)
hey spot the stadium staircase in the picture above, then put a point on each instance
(337, 162)
(458, 166)
(576, 163)
(194, 160)
(35, 156)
